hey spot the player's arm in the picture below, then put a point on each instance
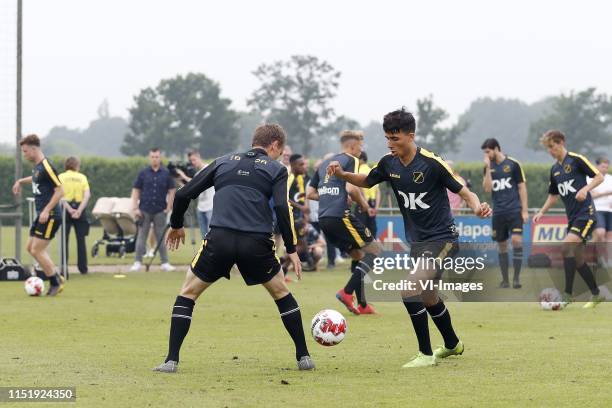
(284, 218)
(18, 183)
(553, 196)
(58, 192)
(550, 201)
(135, 196)
(190, 191)
(521, 181)
(170, 200)
(453, 183)
(311, 190)
(335, 169)
(596, 177)
(84, 202)
(487, 180)
(357, 196)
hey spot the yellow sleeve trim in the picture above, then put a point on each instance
(520, 167)
(431, 155)
(51, 173)
(586, 161)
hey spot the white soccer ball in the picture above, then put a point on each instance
(328, 327)
(34, 286)
(550, 299)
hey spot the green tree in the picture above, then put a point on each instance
(182, 113)
(430, 134)
(584, 117)
(296, 93)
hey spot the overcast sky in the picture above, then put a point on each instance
(78, 53)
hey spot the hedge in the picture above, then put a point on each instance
(114, 177)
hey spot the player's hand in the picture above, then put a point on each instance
(372, 212)
(297, 264)
(175, 238)
(43, 217)
(581, 195)
(168, 210)
(525, 216)
(17, 188)
(484, 211)
(335, 169)
(537, 217)
(76, 214)
(486, 160)
(137, 213)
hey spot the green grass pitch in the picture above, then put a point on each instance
(103, 335)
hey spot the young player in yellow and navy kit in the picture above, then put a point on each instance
(419, 180)
(342, 228)
(568, 180)
(47, 191)
(505, 180)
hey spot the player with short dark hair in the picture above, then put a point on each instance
(298, 180)
(341, 227)
(419, 180)
(505, 179)
(48, 191)
(241, 234)
(568, 179)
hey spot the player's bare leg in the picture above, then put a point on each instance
(292, 318)
(38, 249)
(182, 311)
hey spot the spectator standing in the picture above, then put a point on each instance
(152, 197)
(76, 198)
(205, 199)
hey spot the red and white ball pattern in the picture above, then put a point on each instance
(328, 327)
(34, 286)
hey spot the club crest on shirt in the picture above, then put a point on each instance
(418, 177)
(506, 168)
(567, 168)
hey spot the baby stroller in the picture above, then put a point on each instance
(119, 224)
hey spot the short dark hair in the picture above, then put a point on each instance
(154, 150)
(554, 135)
(267, 134)
(602, 159)
(490, 143)
(363, 156)
(193, 153)
(295, 157)
(399, 121)
(30, 140)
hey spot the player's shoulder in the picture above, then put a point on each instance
(513, 161)
(432, 158)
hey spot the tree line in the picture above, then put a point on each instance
(189, 112)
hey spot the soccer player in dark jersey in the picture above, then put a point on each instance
(419, 180)
(341, 227)
(298, 180)
(568, 180)
(505, 179)
(47, 190)
(241, 234)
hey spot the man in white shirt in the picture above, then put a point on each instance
(602, 198)
(205, 200)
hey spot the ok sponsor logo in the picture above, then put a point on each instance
(501, 184)
(412, 200)
(566, 187)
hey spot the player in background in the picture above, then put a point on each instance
(342, 228)
(419, 180)
(240, 234)
(602, 199)
(568, 179)
(505, 179)
(48, 191)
